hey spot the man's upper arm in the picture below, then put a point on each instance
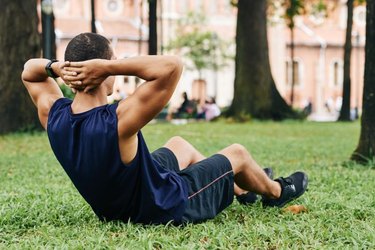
(43, 90)
(140, 108)
(146, 102)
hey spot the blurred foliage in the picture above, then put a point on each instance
(359, 2)
(234, 2)
(319, 9)
(293, 8)
(204, 48)
(67, 92)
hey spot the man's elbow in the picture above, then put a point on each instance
(25, 76)
(26, 72)
(175, 66)
(178, 63)
(30, 71)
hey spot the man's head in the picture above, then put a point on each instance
(88, 46)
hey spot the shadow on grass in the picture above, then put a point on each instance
(350, 164)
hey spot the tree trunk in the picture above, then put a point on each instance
(255, 92)
(93, 18)
(292, 62)
(345, 108)
(48, 34)
(153, 37)
(19, 41)
(365, 150)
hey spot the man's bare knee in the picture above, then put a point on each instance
(237, 155)
(176, 140)
(239, 151)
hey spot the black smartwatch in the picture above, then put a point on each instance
(49, 69)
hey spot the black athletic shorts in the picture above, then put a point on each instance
(210, 184)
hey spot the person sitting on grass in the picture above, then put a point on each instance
(185, 110)
(102, 150)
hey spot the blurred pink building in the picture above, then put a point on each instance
(318, 59)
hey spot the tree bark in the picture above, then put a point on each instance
(365, 151)
(345, 108)
(153, 37)
(255, 92)
(19, 41)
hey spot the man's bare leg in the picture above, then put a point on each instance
(247, 173)
(238, 190)
(186, 155)
(248, 176)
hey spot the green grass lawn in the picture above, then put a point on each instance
(40, 208)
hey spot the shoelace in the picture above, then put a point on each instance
(289, 185)
(287, 180)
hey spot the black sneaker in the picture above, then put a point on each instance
(292, 187)
(250, 197)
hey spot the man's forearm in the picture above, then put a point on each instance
(34, 70)
(146, 67)
(162, 71)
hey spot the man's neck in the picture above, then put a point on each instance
(85, 101)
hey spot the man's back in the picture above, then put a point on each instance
(86, 145)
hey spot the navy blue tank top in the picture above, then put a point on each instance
(86, 145)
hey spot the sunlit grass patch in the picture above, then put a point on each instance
(40, 208)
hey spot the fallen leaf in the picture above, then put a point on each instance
(295, 209)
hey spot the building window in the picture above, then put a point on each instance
(114, 7)
(183, 6)
(198, 5)
(359, 16)
(126, 79)
(60, 4)
(343, 16)
(337, 71)
(297, 72)
(228, 7)
(213, 7)
(60, 7)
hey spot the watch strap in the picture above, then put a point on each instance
(49, 69)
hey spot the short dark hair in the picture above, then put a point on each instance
(86, 46)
